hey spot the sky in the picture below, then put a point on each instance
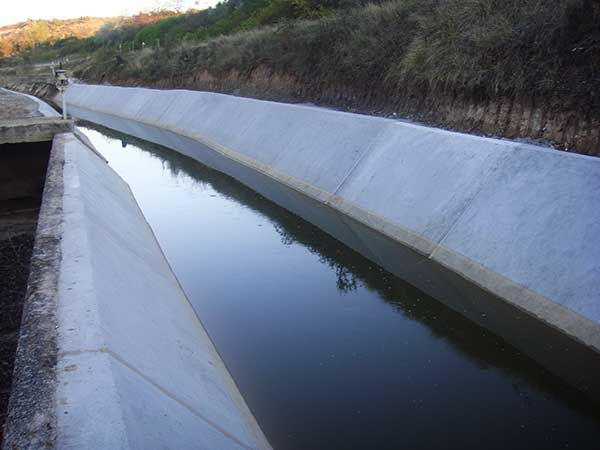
(14, 11)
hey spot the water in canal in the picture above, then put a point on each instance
(329, 350)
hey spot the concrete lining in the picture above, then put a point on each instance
(109, 252)
(518, 221)
(111, 353)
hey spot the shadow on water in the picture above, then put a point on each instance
(352, 270)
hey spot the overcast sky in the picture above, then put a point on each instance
(14, 11)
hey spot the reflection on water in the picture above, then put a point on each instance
(329, 350)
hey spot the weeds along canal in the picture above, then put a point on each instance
(329, 350)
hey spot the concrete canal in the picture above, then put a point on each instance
(329, 350)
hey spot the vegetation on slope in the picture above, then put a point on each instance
(488, 47)
(232, 16)
(48, 39)
(18, 38)
(373, 56)
(43, 40)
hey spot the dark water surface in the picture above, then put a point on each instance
(329, 350)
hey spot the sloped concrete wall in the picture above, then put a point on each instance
(134, 360)
(519, 221)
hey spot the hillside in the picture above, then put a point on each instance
(18, 38)
(518, 69)
(526, 69)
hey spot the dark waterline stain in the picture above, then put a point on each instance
(329, 350)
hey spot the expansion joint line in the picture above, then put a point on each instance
(357, 162)
(166, 392)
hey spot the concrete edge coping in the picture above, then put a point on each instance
(579, 328)
(393, 121)
(31, 420)
(85, 141)
(33, 129)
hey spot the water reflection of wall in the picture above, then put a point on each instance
(353, 270)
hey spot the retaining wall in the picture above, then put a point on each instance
(518, 222)
(111, 353)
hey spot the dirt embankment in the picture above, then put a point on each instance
(526, 69)
(563, 123)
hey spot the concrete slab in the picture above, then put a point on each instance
(33, 129)
(119, 298)
(422, 178)
(537, 222)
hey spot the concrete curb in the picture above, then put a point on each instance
(520, 222)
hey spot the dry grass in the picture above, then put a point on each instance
(478, 47)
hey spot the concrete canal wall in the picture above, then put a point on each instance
(504, 232)
(111, 353)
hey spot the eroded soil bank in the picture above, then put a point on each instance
(564, 123)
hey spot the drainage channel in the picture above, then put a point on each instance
(328, 349)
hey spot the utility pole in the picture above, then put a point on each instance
(61, 83)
